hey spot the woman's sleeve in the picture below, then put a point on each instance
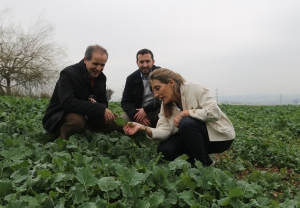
(210, 110)
(163, 129)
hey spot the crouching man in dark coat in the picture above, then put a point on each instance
(79, 98)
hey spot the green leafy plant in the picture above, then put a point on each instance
(261, 169)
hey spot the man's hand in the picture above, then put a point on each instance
(140, 115)
(92, 100)
(108, 117)
(146, 122)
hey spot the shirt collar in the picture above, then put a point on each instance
(145, 78)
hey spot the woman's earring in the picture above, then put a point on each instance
(172, 88)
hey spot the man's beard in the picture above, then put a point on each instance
(143, 70)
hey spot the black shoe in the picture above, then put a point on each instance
(210, 161)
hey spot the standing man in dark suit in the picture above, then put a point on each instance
(79, 98)
(138, 101)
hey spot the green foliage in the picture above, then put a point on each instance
(261, 169)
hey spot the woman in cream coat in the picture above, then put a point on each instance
(190, 121)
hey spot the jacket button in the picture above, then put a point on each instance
(192, 108)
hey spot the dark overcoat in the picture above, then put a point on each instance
(71, 94)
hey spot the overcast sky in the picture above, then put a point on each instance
(238, 47)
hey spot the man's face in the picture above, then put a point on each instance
(145, 63)
(96, 65)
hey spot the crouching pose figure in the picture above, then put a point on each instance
(190, 120)
(79, 98)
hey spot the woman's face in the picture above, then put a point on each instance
(163, 91)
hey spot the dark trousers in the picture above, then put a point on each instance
(73, 123)
(192, 140)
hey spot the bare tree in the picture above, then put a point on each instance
(109, 93)
(28, 59)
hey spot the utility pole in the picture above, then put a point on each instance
(222, 97)
(217, 94)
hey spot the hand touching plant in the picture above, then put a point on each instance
(132, 127)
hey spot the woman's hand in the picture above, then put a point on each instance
(179, 116)
(132, 127)
(177, 119)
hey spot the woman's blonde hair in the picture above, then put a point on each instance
(164, 76)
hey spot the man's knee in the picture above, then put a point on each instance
(74, 119)
(73, 123)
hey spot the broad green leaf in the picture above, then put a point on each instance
(57, 177)
(156, 199)
(41, 197)
(262, 201)
(88, 205)
(20, 175)
(113, 139)
(5, 188)
(249, 189)
(24, 163)
(107, 184)
(159, 176)
(290, 203)
(126, 190)
(79, 193)
(44, 173)
(120, 121)
(132, 177)
(230, 184)
(143, 203)
(171, 198)
(15, 153)
(220, 177)
(179, 162)
(114, 194)
(236, 192)
(186, 181)
(224, 201)
(62, 143)
(16, 204)
(53, 194)
(85, 176)
(237, 203)
(116, 205)
(23, 187)
(188, 197)
(32, 202)
(72, 146)
(64, 155)
(81, 160)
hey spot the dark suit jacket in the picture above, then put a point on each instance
(133, 94)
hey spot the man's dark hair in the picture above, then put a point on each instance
(94, 48)
(144, 51)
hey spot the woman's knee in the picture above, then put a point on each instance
(189, 122)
